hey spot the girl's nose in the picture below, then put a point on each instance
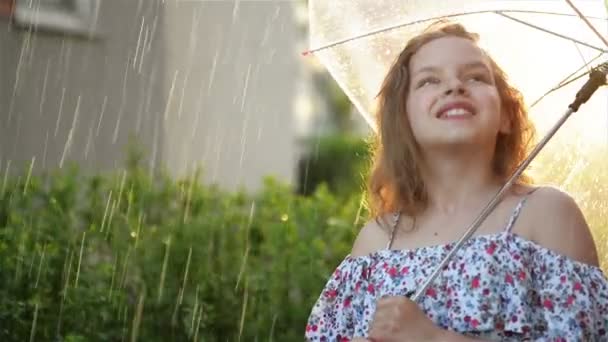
(455, 88)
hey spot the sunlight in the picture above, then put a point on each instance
(535, 61)
(535, 76)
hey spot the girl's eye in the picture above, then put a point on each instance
(426, 81)
(479, 78)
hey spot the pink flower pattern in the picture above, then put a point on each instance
(499, 287)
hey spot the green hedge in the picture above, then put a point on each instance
(130, 257)
(340, 161)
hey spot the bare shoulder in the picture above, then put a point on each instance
(557, 223)
(372, 237)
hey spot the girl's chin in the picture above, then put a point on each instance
(453, 141)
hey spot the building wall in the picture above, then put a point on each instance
(233, 67)
(69, 99)
(198, 83)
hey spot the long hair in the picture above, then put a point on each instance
(395, 181)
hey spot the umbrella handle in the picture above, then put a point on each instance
(597, 78)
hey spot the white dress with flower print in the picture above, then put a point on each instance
(499, 287)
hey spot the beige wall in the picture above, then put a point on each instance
(234, 66)
(54, 88)
(207, 83)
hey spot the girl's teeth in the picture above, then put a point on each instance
(456, 112)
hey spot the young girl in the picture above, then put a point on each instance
(451, 132)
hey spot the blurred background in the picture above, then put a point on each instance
(220, 84)
(175, 170)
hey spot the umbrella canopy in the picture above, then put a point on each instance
(540, 44)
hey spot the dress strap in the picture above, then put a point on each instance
(395, 217)
(517, 211)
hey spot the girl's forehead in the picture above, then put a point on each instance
(447, 52)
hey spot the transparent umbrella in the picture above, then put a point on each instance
(546, 47)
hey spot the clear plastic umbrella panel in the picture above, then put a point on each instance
(546, 47)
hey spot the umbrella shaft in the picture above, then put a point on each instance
(491, 205)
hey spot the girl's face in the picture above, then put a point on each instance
(452, 98)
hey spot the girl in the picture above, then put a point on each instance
(451, 132)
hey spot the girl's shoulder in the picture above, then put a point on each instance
(555, 221)
(373, 236)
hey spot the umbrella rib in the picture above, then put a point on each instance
(580, 15)
(567, 80)
(580, 53)
(396, 26)
(559, 86)
(549, 31)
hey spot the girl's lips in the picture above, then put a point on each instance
(466, 106)
(455, 114)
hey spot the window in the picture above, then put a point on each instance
(65, 16)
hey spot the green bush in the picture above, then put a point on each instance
(339, 161)
(130, 257)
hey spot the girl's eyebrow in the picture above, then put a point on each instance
(426, 69)
(475, 65)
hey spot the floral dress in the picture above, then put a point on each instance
(498, 287)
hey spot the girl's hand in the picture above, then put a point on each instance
(399, 319)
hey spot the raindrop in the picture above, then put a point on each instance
(89, 141)
(155, 144)
(123, 100)
(198, 323)
(46, 145)
(194, 311)
(114, 271)
(68, 143)
(66, 57)
(139, 42)
(34, 322)
(44, 82)
(60, 111)
(111, 217)
(29, 175)
(246, 119)
(68, 262)
(80, 259)
(182, 96)
(40, 265)
(244, 94)
(242, 269)
(244, 310)
(143, 52)
(137, 318)
(105, 213)
(235, 10)
(170, 97)
(125, 267)
(163, 272)
(138, 233)
(153, 32)
(181, 291)
(212, 71)
(122, 186)
(199, 106)
(103, 109)
(129, 200)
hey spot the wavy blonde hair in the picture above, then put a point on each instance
(395, 182)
